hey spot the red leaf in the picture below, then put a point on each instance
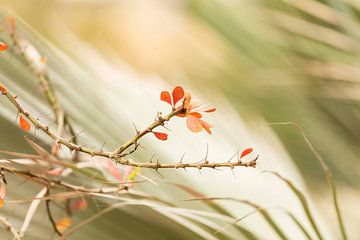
(161, 136)
(24, 124)
(165, 96)
(3, 46)
(3, 90)
(177, 94)
(56, 171)
(79, 204)
(246, 152)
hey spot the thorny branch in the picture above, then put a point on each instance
(118, 153)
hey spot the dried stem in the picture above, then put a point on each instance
(48, 182)
(5, 223)
(48, 210)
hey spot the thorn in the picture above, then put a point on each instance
(151, 158)
(136, 130)
(207, 152)
(166, 128)
(235, 154)
(102, 147)
(158, 115)
(17, 115)
(182, 158)
(232, 171)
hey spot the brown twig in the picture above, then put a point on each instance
(48, 210)
(49, 182)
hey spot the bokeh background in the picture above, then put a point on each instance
(257, 61)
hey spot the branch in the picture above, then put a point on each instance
(117, 154)
(48, 182)
(5, 223)
(48, 210)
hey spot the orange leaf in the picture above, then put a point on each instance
(246, 152)
(206, 126)
(63, 224)
(187, 101)
(177, 94)
(161, 136)
(194, 124)
(195, 114)
(56, 171)
(210, 110)
(3, 46)
(2, 193)
(3, 90)
(24, 124)
(79, 204)
(113, 169)
(165, 96)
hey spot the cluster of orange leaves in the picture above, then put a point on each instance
(193, 110)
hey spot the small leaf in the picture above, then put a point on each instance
(246, 152)
(113, 169)
(177, 94)
(56, 171)
(165, 97)
(3, 90)
(79, 204)
(210, 110)
(206, 126)
(63, 224)
(2, 193)
(194, 124)
(187, 101)
(196, 114)
(24, 125)
(3, 46)
(161, 136)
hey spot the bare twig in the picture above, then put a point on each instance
(6, 224)
(48, 210)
